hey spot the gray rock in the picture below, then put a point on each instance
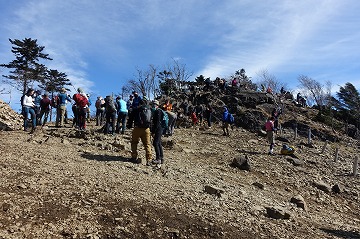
(295, 161)
(277, 213)
(322, 186)
(300, 202)
(214, 191)
(241, 162)
(336, 188)
(259, 185)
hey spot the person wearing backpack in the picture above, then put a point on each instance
(44, 109)
(142, 122)
(225, 121)
(100, 111)
(81, 103)
(269, 127)
(157, 131)
(60, 110)
(122, 113)
(110, 114)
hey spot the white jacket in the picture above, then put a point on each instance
(28, 101)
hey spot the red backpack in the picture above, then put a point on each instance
(80, 100)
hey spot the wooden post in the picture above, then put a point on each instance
(281, 130)
(296, 133)
(336, 154)
(355, 166)
(309, 136)
(324, 147)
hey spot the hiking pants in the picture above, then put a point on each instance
(110, 121)
(172, 121)
(45, 114)
(100, 117)
(81, 118)
(121, 118)
(60, 114)
(144, 135)
(27, 111)
(157, 145)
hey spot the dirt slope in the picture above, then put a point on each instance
(60, 183)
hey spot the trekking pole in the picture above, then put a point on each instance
(309, 136)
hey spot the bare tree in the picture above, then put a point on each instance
(179, 72)
(145, 81)
(315, 90)
(269, 80)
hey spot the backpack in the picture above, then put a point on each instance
(80, 100)
(287, 150)
(110, 105)
(231, 119)
(55, 101)
(98, 104)
(144, 117)
(164, 120)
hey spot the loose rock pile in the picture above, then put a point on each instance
(9, 119)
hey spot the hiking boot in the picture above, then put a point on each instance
(32, 131)
(157, 161)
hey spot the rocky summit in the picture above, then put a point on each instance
(64, 183)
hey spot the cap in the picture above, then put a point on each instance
(63, 90)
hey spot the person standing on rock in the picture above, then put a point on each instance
(142, 122)
(269, 127)
(122, 113)
(29, 108)
(156, 132)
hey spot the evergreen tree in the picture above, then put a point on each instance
(26, 68)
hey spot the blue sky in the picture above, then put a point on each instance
(99, 44)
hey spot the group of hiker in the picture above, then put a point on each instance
(39, 106)
(145, 118)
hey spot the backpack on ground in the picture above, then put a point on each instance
(144, 117)
(231, 118)
(80, 100)
(287, 150)
(164, 120)
(55, 101)
(110, 105)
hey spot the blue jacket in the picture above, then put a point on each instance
(121, 106)
(225, 115)
(62, 98)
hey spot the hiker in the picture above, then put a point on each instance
(76, 117)
(167, 107)
(122, 113)
(225, 121)
(208, 114)
(276, 114)
(44, 109)
(110, 114)
(269, 127)
(37, 98)
(81, 102)
(100, 111)
(193, 117)
(88, 108)
(28, 108)
(199, 113)
(142, 121)
(135, 103)
(222, 84)
(61, 108)
(156, 132)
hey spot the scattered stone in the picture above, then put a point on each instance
(295, 161)
(241, 162)
(214, 191)
(259, 185)
(322, 186)
(253, 141)
(277, 212)
(22, 186)
(336, 188)
(283, 139)
(299, 201)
